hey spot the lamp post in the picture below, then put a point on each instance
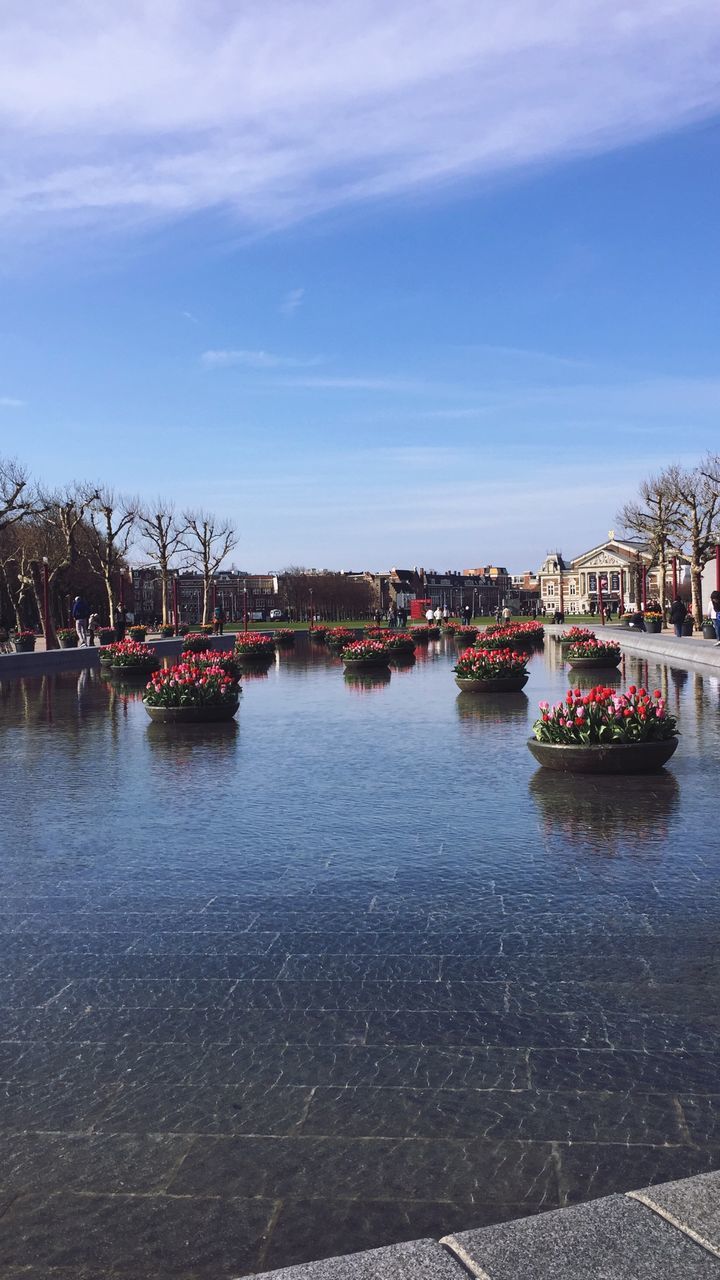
(675, 577)
(176, 620)
(601, 607)
(717, 566)
(245, 609)
(312, 615)
(644, 587)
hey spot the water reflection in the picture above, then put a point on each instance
(178, 743)
(494, 708)
(613, 815)
(367, 681)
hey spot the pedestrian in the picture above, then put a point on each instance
(637, 622)
(218, 620)
(402, 618)
(93, 624)
(438, 616)
(81, 613)
(467, 614)
(678, 614)
(429, 616)
(506, 614)
(392, 617)
(446, 615)
(119, 622)
(378, 617)
(714, 614)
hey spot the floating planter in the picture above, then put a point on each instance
(605, 731)
(576, 635)
(592, 655)
(195, 642)
(68, 638)
(191, 693)
(491, 671)
(465, 636)
(337, 637)
(129, 658)
(398, 642)
(318, 633)
(251, 646)
(285, 638)
(365, 655)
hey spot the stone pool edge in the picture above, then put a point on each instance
(676, 652)
(670, 1230)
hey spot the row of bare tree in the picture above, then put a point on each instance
(80, 536)
(677, 513)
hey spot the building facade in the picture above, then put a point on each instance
(617, 574)
(232, 590)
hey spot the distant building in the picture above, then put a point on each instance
(229, 591)
(619, 570)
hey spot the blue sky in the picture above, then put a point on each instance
(434, 288)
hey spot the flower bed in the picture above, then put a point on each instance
(251, 644)
(604, 715)
(192, 691)
(576, 635)
(68, 638)
(24, 641)
(397, 641)
(586, 654)
(195, 642)
(338, 637)
(227, 662)
(466, 635)
(131, 656)
(365, 653)
(491, 670)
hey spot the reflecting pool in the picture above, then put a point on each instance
(346, 971)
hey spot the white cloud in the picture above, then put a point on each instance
(277, 110)
(9, 402)
(292, 300)
(255, 360)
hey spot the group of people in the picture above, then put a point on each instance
(679, 612)
(87, 622)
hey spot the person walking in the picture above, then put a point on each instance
(678, 614)
(506, 614)
(446, 615)
(120, 622)
(714, 614)
(429, 616)
(438, 616)
(467, 614)
(93, 624)
(218, 620)
(81, 614)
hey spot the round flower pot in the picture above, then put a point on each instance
(69, 644)
(688, 628)
(611, 757)
(498, 684)
(262, 655)
(594, 664)
(366, 664)
(653, 626)
(709, 632)
(191, 715)
(132, 673)
(285, 642)
(405, 647)
(24, 646)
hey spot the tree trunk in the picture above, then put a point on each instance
(164, 577)
(39, 593)
(206, 598)
(696, 578)
(663, 570)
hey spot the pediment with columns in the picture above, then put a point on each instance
(605, 558)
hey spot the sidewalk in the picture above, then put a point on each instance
(690, 651)
(670, 1231)
(42, 663)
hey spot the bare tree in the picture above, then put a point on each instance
(17, 499)
(655, 517)
(698, 492)
(112, 521)
(163, 538)
(207, 542)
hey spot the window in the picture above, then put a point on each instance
(592, 582)
(614, 581)
(573, 589)
(551, 588)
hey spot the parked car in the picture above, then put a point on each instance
(276, 615)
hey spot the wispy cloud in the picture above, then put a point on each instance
(292, 300)
(278, 110)
(224, 359)
(9, 402)
(188, 315)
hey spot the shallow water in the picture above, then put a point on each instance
(347, 971)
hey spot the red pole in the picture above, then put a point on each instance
(674, 569)
(50, 640)
(621, 608)
(717, 566)
(644, 587)
(175, 605)
(600, 600)
(312, 613)
(244, 608)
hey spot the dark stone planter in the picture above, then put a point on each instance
(688, 630)
(265, 655)
(105, 635)
(285, 642)
(133, 673)
(653, 627)
(709, 633)
(24, 646)
(68, 644)
(617, 757)
(404, 649)
(594, 664)
(191, 715)
(502, 684)
(366, 664)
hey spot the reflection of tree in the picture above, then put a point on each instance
(491, 708)
(607, 815)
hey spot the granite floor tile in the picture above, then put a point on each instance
(385, 968)
(543, 967)
(85, 965)
(702, 1116)
(465, 1027)
(349, 1169)
(97, 1163)
(220, 1025)
(496, 1114)
(692, 1204)
(306, 1230)
(161, 1236)
(204, 1109)
(610, 1240)
(50, 1105)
